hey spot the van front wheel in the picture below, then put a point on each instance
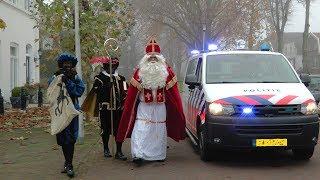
(303, 154)
(203, 146)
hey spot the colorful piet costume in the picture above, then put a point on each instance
(108, 96)
(75, 88)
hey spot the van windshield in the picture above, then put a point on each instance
(249, 68)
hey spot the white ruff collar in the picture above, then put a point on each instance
(107, 74)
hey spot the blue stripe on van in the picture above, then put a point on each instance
(260, 100)
(234, 101)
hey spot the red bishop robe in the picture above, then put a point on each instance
(175, 120)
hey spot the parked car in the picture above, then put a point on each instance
(314, 86)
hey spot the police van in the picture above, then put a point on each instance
(248, 99)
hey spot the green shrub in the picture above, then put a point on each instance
(15, 92)
(31, 89)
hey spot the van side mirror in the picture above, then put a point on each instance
(192, 81)
(305, 78)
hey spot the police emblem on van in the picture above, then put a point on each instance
(262, 90)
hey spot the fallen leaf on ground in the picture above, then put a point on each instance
(22, 138)
(7, 162)
(8, 123)
(34, 118)
(19, 138)
(33, 142)
(23, 144)
(55, 147)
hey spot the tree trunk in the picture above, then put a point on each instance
(280, 41)
(251, 29)
(305, 39)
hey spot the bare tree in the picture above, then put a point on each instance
(187, 18)
(305, 36)
(133, 48)
(179, 24)
(171, 47)
(254, 22)
(279, 12)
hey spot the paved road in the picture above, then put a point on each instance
(184, 163)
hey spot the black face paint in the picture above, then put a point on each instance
(67, 65)
(114, 67)
(68, 69)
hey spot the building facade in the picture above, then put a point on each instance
(292, 49)
(19, 59)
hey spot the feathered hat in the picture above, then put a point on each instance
(104, 60)
(63, 57)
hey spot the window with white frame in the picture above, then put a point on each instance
(317, 62)
(14, 54)
(27, 5)
(28, 63)
(14, 1)
(0, 56)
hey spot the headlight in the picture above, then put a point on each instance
(309, 109)
(219, 109)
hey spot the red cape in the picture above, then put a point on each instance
(175, 118)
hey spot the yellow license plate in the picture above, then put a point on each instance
(271, 142)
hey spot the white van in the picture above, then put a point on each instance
(248, 99)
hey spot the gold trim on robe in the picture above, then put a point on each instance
(136, 84)
(99, 80)
(172, 82)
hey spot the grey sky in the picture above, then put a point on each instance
(296, 21)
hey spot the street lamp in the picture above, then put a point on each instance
(38, 57)
(195, 52)
(212, 47)
(79, 70)
(204, 28)
(40, 52)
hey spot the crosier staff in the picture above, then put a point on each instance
(111, 46)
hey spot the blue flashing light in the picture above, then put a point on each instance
(194, 52)
(212, 47)
(241, 45)
(247, 110)
(265, 47)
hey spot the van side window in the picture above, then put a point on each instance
(199, 69)
(192, 67)
(183, 69)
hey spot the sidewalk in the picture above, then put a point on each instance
(34, 154)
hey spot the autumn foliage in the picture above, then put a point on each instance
(33, 118)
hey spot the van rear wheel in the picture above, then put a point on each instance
(303, 154)
(203, 146)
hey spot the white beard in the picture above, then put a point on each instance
(153, 75)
